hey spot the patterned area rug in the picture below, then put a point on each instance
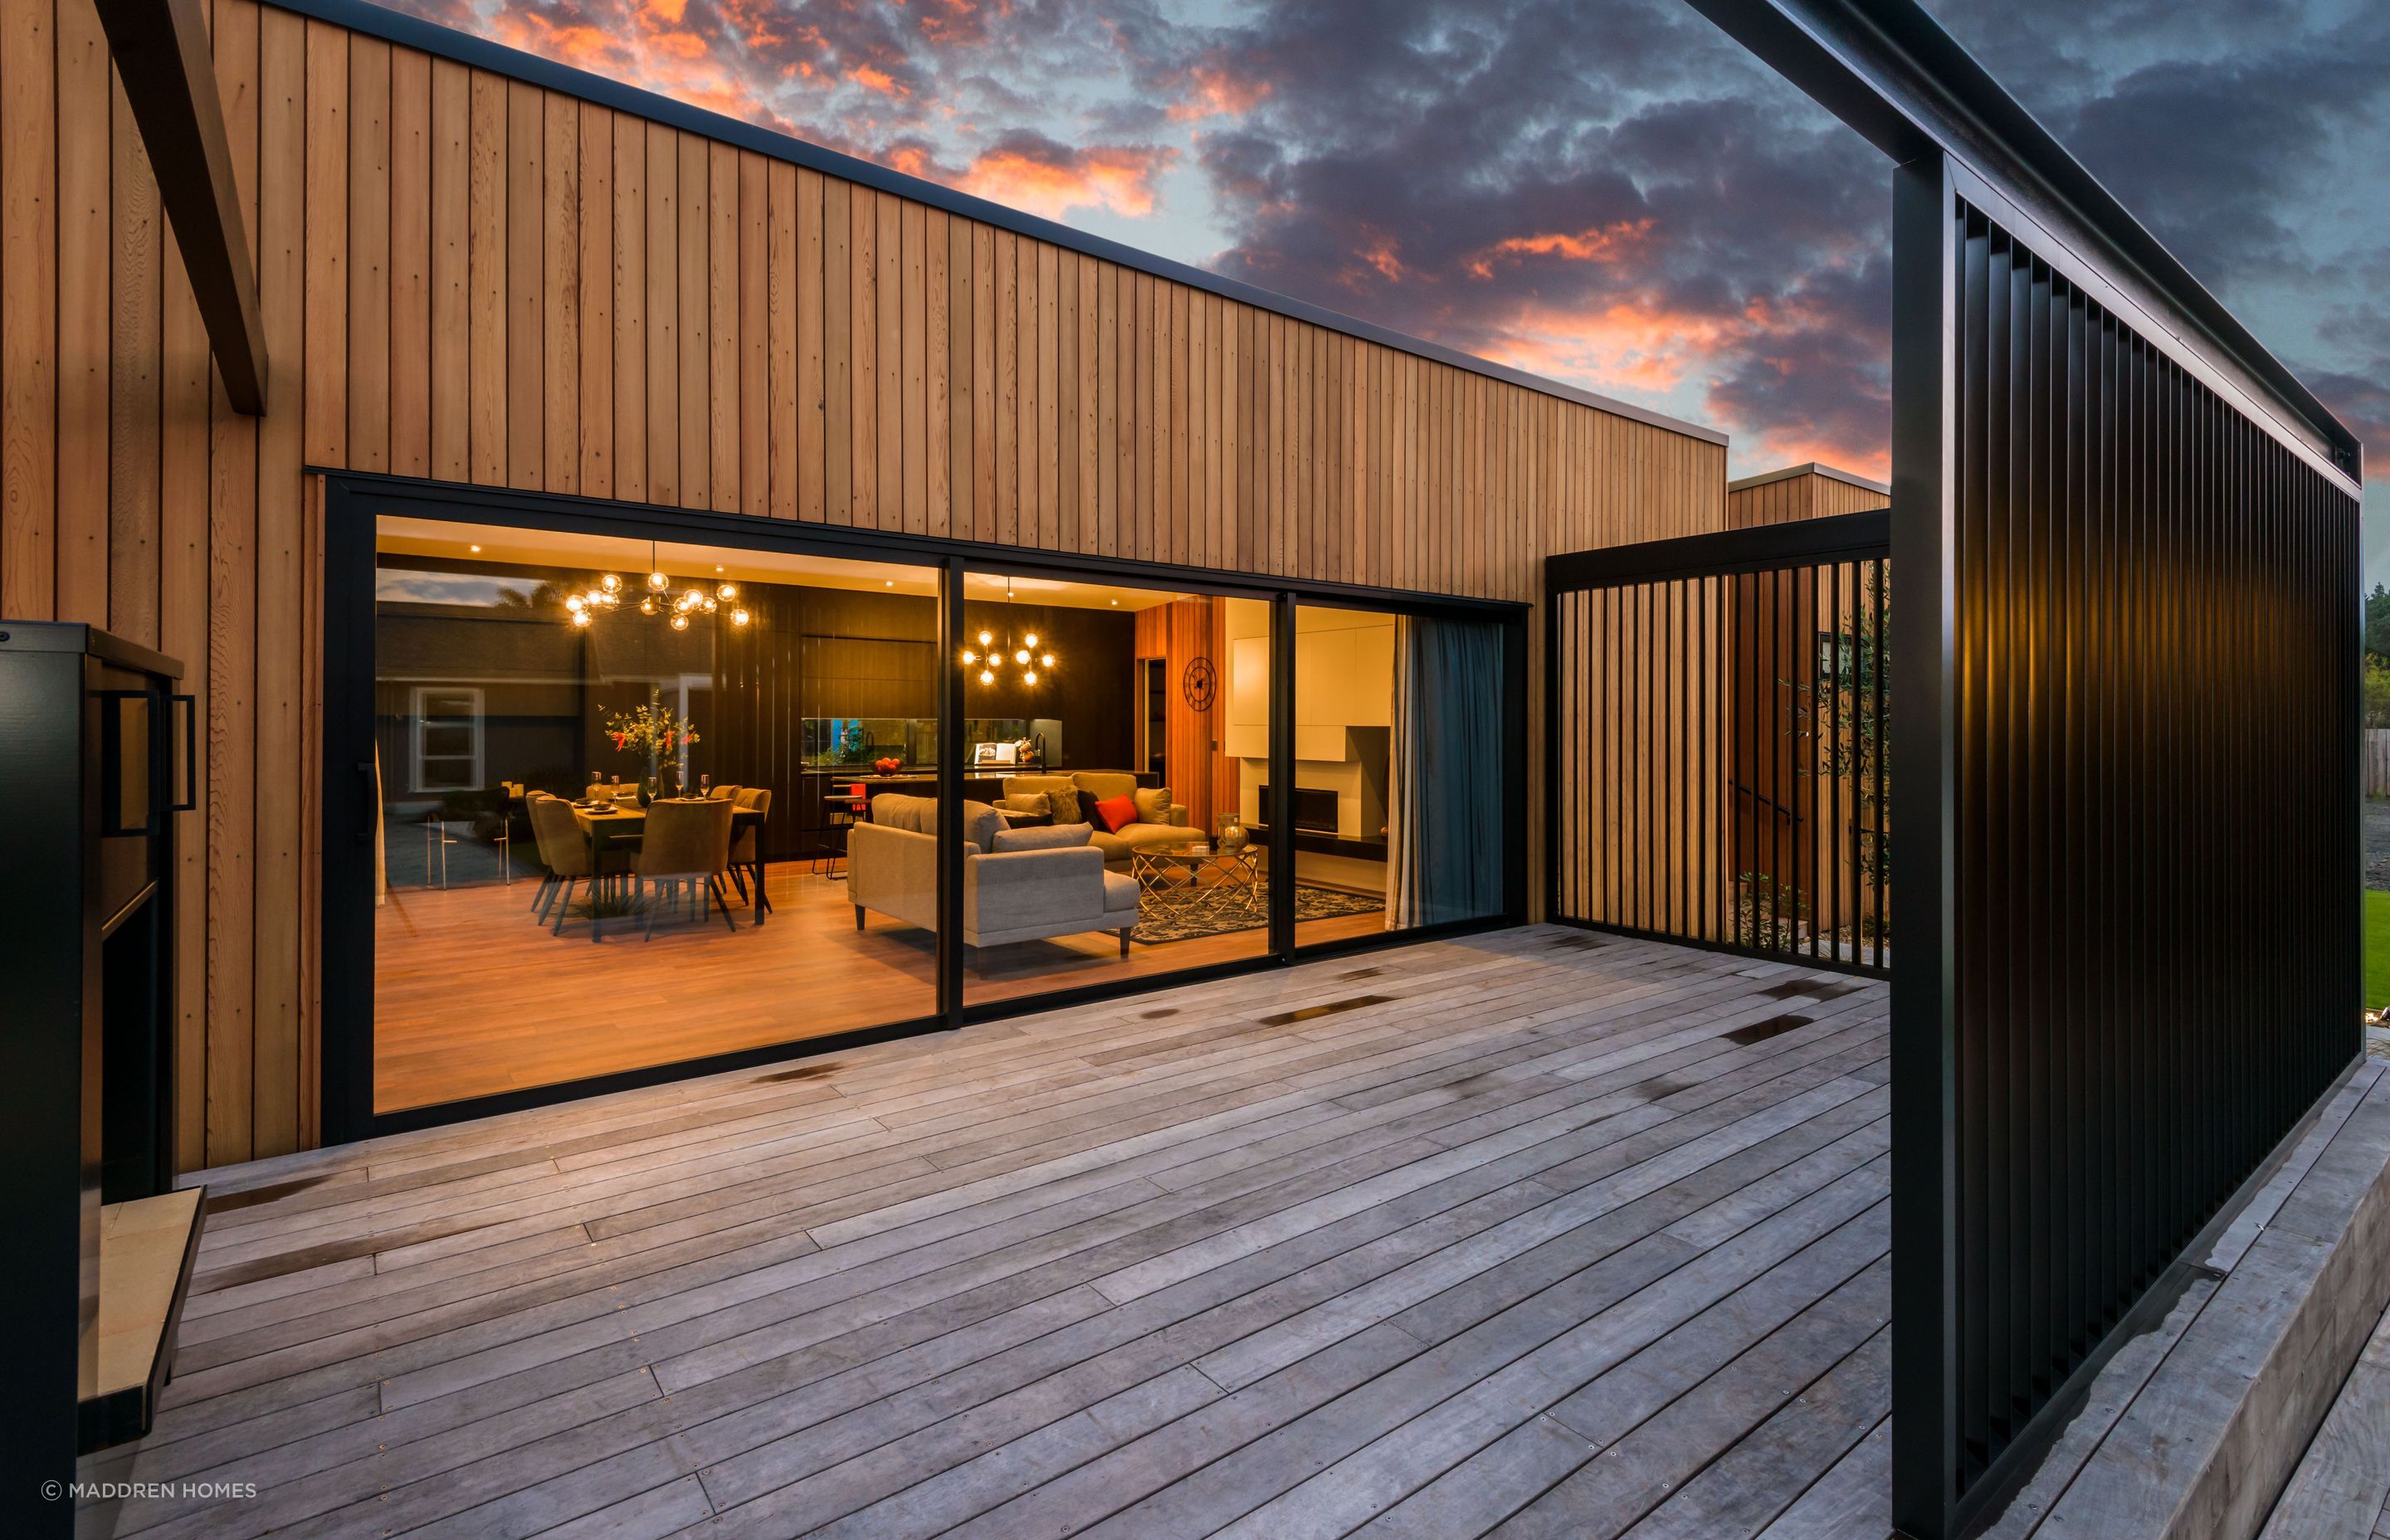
(1160, 922)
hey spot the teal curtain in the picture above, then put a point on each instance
(1450, 752)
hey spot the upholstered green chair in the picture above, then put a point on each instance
(683, 850)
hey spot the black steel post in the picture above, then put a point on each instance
(1925, 1473)
(951, 631)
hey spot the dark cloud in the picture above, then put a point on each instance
(2252, 138)
(1615, 195)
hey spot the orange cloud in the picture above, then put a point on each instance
(955, 20)
(1627, 344)
(1215, 92)
(1801, 445)
(1615, 243)
(872, 79)
(1047, 178)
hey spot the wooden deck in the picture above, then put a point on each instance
(1538, 1234)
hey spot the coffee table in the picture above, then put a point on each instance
(1198, 875)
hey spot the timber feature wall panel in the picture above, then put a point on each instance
(469, 279)
(1800, 492)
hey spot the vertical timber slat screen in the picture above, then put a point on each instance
(2154, 964)
(1718, 765)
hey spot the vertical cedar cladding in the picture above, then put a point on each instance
(475, 279)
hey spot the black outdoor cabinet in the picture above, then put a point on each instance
(95, 761)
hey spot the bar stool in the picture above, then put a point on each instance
(845, 812)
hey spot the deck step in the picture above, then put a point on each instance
(147, 1248)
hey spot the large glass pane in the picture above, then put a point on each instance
(614, 809)
(1102, 807)
(1402, 758)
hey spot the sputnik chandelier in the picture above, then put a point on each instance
(989, 659)
(659, 600)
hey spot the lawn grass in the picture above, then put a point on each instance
(2377, 949)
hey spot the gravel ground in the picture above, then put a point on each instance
(2377, 842)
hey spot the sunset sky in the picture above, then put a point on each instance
(1609, 192)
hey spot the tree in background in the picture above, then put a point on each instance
(2377, 626)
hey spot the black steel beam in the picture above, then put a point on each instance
(162, 51)
(1813, 542)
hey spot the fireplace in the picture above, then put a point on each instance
(1314, 809)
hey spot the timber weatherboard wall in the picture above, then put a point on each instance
(468, 276)
(1800, 492)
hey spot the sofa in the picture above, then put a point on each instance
(1160, 821)
(1021, 884)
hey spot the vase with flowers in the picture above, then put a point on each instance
(658, 734)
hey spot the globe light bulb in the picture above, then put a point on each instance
(680, 623)
(647, 606)
(986, 677)
(609, 582)
(985, 638)
(573, 602)
(1030, 638)
(1022, 655)
(657, 581)
(581, 617)
(969, 657)
(1030, 677)
(1047, 660)
(739, 617)
(728, 591)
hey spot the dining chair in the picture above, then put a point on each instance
(563, 852)
(684, 849)
(725, 794)
(746, 845)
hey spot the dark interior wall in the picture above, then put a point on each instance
(807, 652)
(1091, 689)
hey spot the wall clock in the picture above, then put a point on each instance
(1198, 684)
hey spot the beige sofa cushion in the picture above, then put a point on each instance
(1060, 792)
(1153, 804)
(1033, 804)
(981, 823)
(1053, 837)
(1102, 785)
(1116, 846)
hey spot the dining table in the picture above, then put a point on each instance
(607, 825)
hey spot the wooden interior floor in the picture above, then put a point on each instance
(1536, 1233)
(472, 997)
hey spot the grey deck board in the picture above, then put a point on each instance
(1146, 1267)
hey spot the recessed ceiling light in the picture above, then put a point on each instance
(477, 550)
(717, 568)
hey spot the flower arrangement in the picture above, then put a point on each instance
(650, 730)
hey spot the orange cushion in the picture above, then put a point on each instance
(1116, 812)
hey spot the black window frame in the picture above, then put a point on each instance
(353, 501)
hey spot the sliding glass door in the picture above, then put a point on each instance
(1404, 769)
(604, 809)
(1103, 840)
(613, 787)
